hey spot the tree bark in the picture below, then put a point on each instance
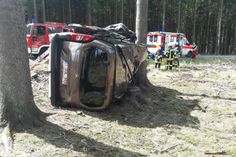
(44, 10)
(122, 11)
(234, 41)
(116, 11)
(89, 13)
(219, 27)
(164, 15)
(70, 12)
(194, 20)
(35, 10)
(141, 20)
(208, 27)
(179, 17)
(141, 30)
(63, 11)
(16, 98)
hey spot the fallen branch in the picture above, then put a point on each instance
(167, 149)
(216, 153)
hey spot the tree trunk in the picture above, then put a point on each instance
(116, 12)
(179, 17)
(63, 11)
(194, 20)
(122, 11)
(16, 98)
(141, 20)
(70, 12)
(130, 14)
(208, 27)
(164, 15)
(141, 30)
(44, 10)
(35, 10)
(234, 41)
(219, 27)
(89, 13)
(233, 35)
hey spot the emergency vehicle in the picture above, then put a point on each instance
(157, 41)
(38, 36)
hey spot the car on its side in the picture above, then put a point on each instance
(92, 69)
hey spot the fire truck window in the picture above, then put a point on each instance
(59, 29)
(150, 38)
(29, 29)
(39, 30)
(51, 30)
(155, 38)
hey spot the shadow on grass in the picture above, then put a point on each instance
(62, 138)
(164, 107)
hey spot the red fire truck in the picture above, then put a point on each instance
(38, 36)
(163, 40)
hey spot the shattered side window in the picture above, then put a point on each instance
(94, 77)
(97, 67)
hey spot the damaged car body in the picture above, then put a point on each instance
(91, 70)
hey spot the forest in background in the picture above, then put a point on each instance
(209, 23)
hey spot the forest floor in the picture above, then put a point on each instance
(191, 111)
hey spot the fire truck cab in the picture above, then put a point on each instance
(38, 36)
(157, 41)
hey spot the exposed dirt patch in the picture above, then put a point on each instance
(187, 112)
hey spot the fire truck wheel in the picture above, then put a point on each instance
(190, 53)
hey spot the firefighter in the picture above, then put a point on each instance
(148, 55)
(194, 54)
(158, 57)
(173, 49)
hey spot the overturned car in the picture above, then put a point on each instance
(92, 69)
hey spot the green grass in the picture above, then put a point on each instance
(208, 60)
(187, 138)
(231, 151)
(203, 60)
